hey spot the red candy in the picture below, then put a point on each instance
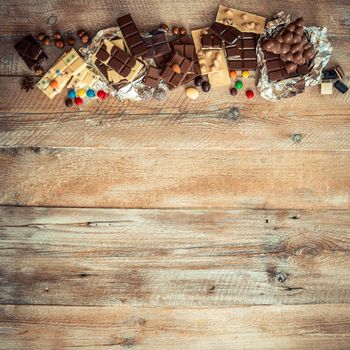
(102, 94)
(249, 94)
(78, 101)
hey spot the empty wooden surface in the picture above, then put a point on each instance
(171, 225)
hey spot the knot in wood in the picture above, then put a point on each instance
(297, 137)
(281, 277)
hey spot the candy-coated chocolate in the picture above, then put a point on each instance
(101, 94)
(238, 85)
(245, 74)
(90, 93)
(78, 101)
(233, 74)
(81, 92)
(68, 102)
(72, 94)
(54, 84)
(233, 91)
(249, 94)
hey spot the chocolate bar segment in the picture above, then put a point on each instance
(211, 41)
(170, 76)
(31, 52)
(132, 36)
(152, 77)
(157, 45)
(226, 33)
(242, 54)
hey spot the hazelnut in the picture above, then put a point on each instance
(218, 55)
(227, 21)
(228, 12)
(176, 30)
(201, 61)
(200, 53)
(176, 68)
(80, 33)
(216, 63)
(208, 53)
(85, 39)
(164, 27)
(46, 41)
(245, 25)
(245, 16)
(57, 36)
(38, 71)
(59, 44)
(204, 32)
(70, 41)
(257, 26)
(40, 36)
(182, 31)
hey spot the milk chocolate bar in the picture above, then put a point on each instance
(169, 74)
(242, 54)
(152, 77)
(157, 45)
(31, 52)
(276, 70)
(227, 34)
(211, 41)
(132, 36)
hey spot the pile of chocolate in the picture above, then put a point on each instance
(290, 53)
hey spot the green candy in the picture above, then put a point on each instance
(238, 85)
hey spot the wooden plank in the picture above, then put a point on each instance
(271, 327)
(22, 17)
(57, 256)
(174, 178)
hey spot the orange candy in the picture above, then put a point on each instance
(54, 84)
(233, 74)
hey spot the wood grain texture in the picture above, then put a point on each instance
(52, 256)
(272, 327)
(21, 17)
(157, 178)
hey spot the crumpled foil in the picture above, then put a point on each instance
(126, 91)
(274, 91)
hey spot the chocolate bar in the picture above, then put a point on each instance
(211, 41)
(132, 36)
(227, 34)
(341, 87)
(31, 52)
(242, 54)
(276, 70)
(169, 74)
(118, 60)
(157, 45)
(152, 77)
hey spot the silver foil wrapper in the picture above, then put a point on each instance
(274, 91)
(127, 90)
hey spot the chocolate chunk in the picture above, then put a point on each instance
(168, 74)
(157, 45)
(31, 52)
(341, 87)
(226, 33)
(132, 36)
(242, 54)
(152, 77)
(330, 74)
(211, 41)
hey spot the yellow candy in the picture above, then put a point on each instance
(81, 92)
(245, 74)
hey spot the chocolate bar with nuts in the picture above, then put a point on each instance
(132, 36)
(176, 69)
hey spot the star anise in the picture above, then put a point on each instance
(27, 83)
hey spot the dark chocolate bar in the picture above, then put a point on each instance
(152, 77)
(242, 54)
(276, 70)
(132, 36)
(161, 61)
(184, 39)
(157, 45)
(31, 52)
(226, 33)
(341, 87)
(170, 76)
(211, 41)
(102, 68)
(118, 60)
(330, 74)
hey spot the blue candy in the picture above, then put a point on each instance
(72, 94)
(90, 93)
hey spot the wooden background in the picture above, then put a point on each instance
(171, 225)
